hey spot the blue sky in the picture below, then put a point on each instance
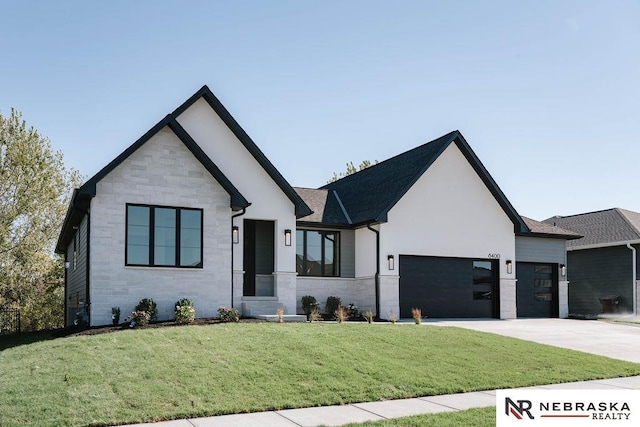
(547, 93)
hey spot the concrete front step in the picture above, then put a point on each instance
(255, 306)
(285, 318)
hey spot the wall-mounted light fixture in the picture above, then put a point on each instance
(563, 270)
(509, 266)
(287, 237)
(67, 265)
(235, 234)
(391, 262)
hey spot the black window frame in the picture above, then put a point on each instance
(336, 253)
(151, 263)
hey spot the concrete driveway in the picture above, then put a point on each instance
(620, 341)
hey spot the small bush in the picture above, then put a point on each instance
(184, 311)
(280, 313)
(393, 317)
(341, 314)
(138, 318)
(228, 314)
(309, 304)
(315, 315)
(416, 313)
(368, 315)
(148, 306)
(352, 311)
(332, 305)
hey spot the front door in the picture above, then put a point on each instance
(537, 290)
(258, 258)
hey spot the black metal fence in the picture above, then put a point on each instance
(9, 321)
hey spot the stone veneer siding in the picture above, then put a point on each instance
(162, 172)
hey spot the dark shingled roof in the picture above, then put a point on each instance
(369, 195)
(326, 207)
(542, 229)
(605, 227)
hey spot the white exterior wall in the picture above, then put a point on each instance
(161, 172)
(268, 202)
(449, 212)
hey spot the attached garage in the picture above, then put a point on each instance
(537, 290)
(448, 287)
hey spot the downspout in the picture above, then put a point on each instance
(244, 210)
(634, 286)
(377, 276)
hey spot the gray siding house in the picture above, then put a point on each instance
(604, 261)
(194, 209)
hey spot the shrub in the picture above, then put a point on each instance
(138, 318)
(416, 313)
(368, 315)
(352, 311)
(309, 304)
(148, 306)
(280, 313)
(332, 305)
(315, 315)
(184, 311)
(341, 314)
(228, 314)
(393, 317)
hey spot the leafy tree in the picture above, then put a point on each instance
(35, 187)
(351, 169)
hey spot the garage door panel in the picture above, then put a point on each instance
(442, 287)
(537, 290)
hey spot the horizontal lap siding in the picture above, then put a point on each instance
(595, 273)
(77, 277)
(537, 249)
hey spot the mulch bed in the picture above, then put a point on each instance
(74, 331)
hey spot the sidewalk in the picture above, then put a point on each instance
(375, 411)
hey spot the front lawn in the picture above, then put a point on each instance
(166, 373)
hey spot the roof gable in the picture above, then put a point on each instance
(301, 208)
(601, 228)
(370, 194)
(237, 200)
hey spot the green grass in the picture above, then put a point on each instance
(167, 373)
(479, 417)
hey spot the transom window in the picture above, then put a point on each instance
(159, 236)
(317, 253)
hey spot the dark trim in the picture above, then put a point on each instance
(301, 208)
(244, 210)
(377, 276)
(519, 225)
(178, 220)
(550, 235)
(87, 269)
(66, 290)
(237, 200)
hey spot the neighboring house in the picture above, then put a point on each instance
(194, 209)
(603, 262)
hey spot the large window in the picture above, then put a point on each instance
(483, 279)
(317, 253)
(163, 236)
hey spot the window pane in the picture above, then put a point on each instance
(482, 272)
(482, 295)
(314, 253)
(138, 235)
(330, 254)
(542, 269)
(190, 238)
(300, 252)
(164, 249)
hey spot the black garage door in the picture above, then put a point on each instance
(448, 287)
(537, 290)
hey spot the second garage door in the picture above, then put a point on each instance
(448, 287)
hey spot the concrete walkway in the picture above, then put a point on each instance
(377, 411)
(619, 341)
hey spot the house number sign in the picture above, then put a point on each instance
(493, 256)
